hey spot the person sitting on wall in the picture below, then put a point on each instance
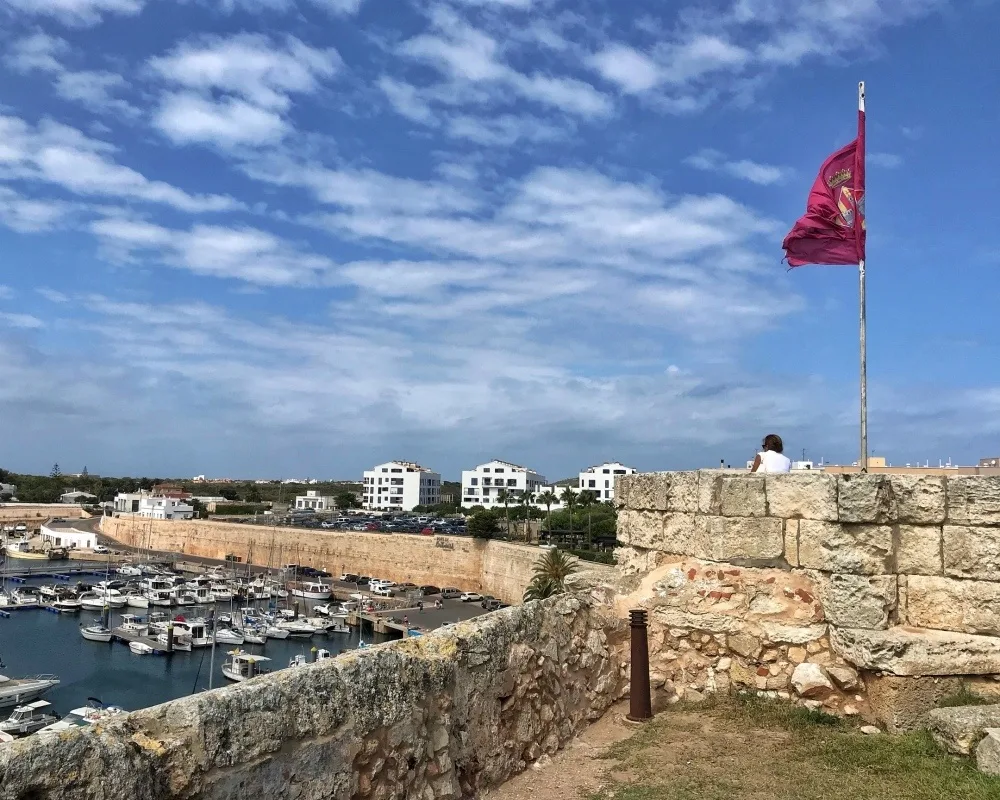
(770, 458)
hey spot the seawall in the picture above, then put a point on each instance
(34, 514)
(870, 594)
(441, 716)
(502, 569)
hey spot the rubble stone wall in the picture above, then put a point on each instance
(813, 586)
(441, 716)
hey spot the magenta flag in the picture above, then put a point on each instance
(833, 228)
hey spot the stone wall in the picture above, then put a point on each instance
(441, 716)
(34, 514)
(502, 569)
(829, 588)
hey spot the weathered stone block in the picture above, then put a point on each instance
(974, 500)
(709, 492)
(743, 496)
(809, 680)
(682, 492)
(640, 528)
(810, 495)
(753, 538)
(988, 752)
(919, 551)
(971, 552)
(791, 529)
(835, 547)
(953, 605)
(902, 703)
(785, 633)
(920, 499)
(959, 730)
(644, 491)
(917, 651)
(857, 601)
(865, 499)
(845, 678)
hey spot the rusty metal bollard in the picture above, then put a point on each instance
(640, 706)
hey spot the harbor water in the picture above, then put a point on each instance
(34, 641)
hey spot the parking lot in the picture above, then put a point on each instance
(398, 523)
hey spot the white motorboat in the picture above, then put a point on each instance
(324, 610)
(112, 596)
(50, 592)
(311, 590)
(255, 636)
(200, 595)
(81, 717)
(29, 718)
(17, 691)
(141, 648)
(129, 571)
(338, 627)
(221, 593)
(228, 636)
(18, 599)
(301, 659)
(347, 608)
(273, 632)
(91, 601)
(195, 630)
(163, 598)
(182, 598)
(180, 642)
(96, 633)
(321, 625)
(133, 624)
(297, 629)
(135, 599)
(68, 603)
(242, 666)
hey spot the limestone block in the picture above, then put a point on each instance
(953, 605)
(974, 500)
(917, 651)
(845, 677)
(902, 703)
(808, 680)
(866, 499)
(682, 491)
(802, 495)
(920, 499)
(919, 551)
(791, 528)
(988, 752)
(971, 552)
(744, 645)
(644, 491)
(742, 496)
(958, 730)
(728, 538)
(858, 601)
(709, 621)
(835, 547)
(640, 528)
(781, 633)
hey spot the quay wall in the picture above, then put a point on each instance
(863, 594)
(502, 569)
(34, 514)
(445, 716)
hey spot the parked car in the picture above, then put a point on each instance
(100, 548)
(372, 526)
(487, 598)
(406, 587)
(384, 591)
(348, 577)
(450, 592)
(363, 579)
(470, 597)
(428, 590)
(492, 604)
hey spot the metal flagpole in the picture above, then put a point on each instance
(861, 276)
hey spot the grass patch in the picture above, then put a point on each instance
(756, 749)
(964, 697)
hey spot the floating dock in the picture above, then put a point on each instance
(125, 636)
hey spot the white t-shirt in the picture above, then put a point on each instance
(774, 462)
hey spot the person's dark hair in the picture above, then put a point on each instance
(773, 442)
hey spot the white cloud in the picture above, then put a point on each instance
(626, 66)
(65, 157)
(26, 321)
(338, 8)
(502, 131)
(250, 66)
(37, 52)
(76, 12)
(52, 295)
(26, 215)
(6, 292)
(406, 100)
(242, 253)
(744, 169)
(187, 118)
(886, 160)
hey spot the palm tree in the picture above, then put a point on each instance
(547, 498)
(527, 498)
(503, 496)
(587, 499)
(550, 574)
(568, 497)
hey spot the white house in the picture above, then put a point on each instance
(8, 488)
(601, 479)
(128, 502)
(480, 486)
(314, 500)
(157, 507)
(69, 537)
(400, 486)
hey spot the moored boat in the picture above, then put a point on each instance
(96, 633)
(94, 711)
(17, 691)
(311, 590)
(29, 718)
(242, 666)
(141, 648)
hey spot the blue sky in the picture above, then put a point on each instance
(269, 237)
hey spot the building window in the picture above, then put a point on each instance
(592, 484)
(395, 470)
(498, 469)
(605, 471)
(607, 484)
(487, 469)
(607, 493)
(581, 483)
(474, 481)
(487, 481)
(621, 472)
(512, 481)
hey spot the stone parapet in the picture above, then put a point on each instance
(750, 576)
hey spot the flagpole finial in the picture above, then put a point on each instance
(861, 96)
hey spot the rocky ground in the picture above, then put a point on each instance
(754, 750)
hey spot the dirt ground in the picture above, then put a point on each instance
(751, 750)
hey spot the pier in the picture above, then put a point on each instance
(378, 623)
(122, 635)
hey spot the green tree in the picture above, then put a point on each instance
(587, 500)
(526, 499)
(547, 498)
(252, 494)
(346, 500)
(55, 471)
(550, 574)
(483, 525)
(568, 498)
(503, 496)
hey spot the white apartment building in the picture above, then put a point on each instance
(156, 507)
(480, 486)
(601, 479)
(314, 500)
(400, 486)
